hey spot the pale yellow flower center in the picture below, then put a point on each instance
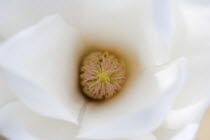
(102, 75)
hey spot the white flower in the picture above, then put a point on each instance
(39, 60)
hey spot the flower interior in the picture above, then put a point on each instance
(102, 75)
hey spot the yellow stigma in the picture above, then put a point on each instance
(102, 75)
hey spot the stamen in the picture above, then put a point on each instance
(102, 75)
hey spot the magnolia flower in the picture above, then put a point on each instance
(148, 59)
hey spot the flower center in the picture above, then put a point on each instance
(102, 75)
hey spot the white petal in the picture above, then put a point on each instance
(182, 123)
(139, 108)
(186, 133)
(23, 13)
(170, 23)
(181, 117)
(165, 17)
(10, 126)
(144, 137)
(148, 136)
(204, 2)
(6, 95)
(18, 123)
(197, 83)
(196, 18)
(127, 22)
(40, 65)
(197, 50)
(110, 20)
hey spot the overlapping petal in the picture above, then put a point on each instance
(27, 125)
(130, 22)
(39, 65)
(197, 49)
(184, 119)
(17, 122)
(147, 99)
(184, 116)
(182, 123)
(187, 132)
(19, 14)
(111, 20)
